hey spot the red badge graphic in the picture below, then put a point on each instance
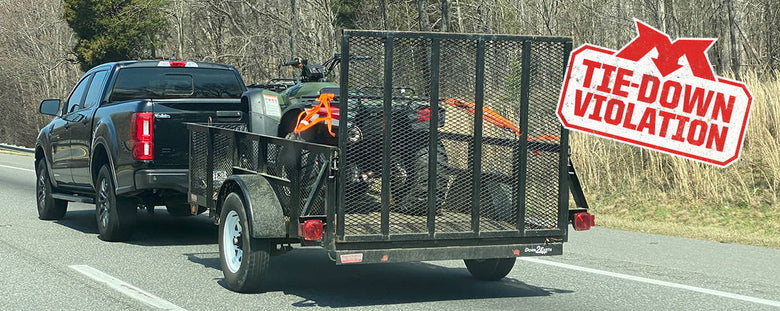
(657, 93)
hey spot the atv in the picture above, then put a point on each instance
(307, 108)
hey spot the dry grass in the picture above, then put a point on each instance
(633, 188)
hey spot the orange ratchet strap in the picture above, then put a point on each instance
(493, 117)
(305, 121)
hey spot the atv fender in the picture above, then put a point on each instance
(266, 218)
(264, 111)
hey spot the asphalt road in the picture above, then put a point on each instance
(175, 261)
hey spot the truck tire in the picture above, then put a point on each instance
(245, 260)
(49, 208)
(410, 192)
(492, 269)
(115, 215)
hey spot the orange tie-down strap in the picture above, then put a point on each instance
(493, 117)
(310, 117)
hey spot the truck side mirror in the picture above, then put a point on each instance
(50, 107)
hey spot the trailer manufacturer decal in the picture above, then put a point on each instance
(539, 250)
(657, 94)
(351, 258)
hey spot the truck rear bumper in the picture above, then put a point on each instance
(446, 253)
(174, 179)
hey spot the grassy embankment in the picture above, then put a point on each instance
(635, 189)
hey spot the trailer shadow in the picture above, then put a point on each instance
(159, 229)
(310, 275)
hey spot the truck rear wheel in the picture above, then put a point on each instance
(492, 269)
(115, 215)
(245, 260)
(49, 208)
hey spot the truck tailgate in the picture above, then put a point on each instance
(171, 143)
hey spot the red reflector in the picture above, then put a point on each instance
(142, 135)
(583, 221)
(312, 230)
(424, 115)
(178, 64)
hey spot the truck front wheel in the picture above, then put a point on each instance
(49, 208)
(115, 215)
(244, 259)
(492, 269)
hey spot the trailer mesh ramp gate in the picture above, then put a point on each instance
(491, 162)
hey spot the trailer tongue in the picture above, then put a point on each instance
(486, 179)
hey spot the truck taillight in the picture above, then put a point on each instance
(142, 135)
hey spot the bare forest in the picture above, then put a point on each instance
(37, 59)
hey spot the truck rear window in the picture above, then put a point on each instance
(166, 82)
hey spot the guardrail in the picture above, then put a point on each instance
(16, 148)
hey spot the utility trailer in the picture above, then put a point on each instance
(496, 147)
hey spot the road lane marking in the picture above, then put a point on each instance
(656, 282)
(18, 168)
(126, 288)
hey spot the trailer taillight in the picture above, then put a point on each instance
(583, 221)
(312, 230)
(142, 135)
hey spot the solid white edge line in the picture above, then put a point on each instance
(656, 282)
(18, 168)
(126, 288)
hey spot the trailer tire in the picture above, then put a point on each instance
(245, 260)
(49, 208)
(492, 269)
(115, 215)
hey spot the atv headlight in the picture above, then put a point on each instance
(354, 134)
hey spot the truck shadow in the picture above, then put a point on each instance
(159, 229)
(309, 274)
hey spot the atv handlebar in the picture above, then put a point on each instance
(295, 62)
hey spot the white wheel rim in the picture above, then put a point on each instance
(232, 241)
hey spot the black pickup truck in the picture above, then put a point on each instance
(119, 139)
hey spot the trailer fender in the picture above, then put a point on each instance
(266, 218)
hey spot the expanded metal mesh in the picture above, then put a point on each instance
(253, 153)
(543, 178)
(395, 148)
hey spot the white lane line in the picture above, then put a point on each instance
(18, 168)
(656, 282)
(125, 288)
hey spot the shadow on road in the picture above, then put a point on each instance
(309, 274)
(159, 229)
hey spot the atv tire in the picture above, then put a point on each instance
(409, 185)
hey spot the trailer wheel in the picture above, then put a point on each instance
(492, 269)
(245, 260)
(115, 215)
(410, 187)
(49, 208)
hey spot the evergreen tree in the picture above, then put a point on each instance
(112, 30)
